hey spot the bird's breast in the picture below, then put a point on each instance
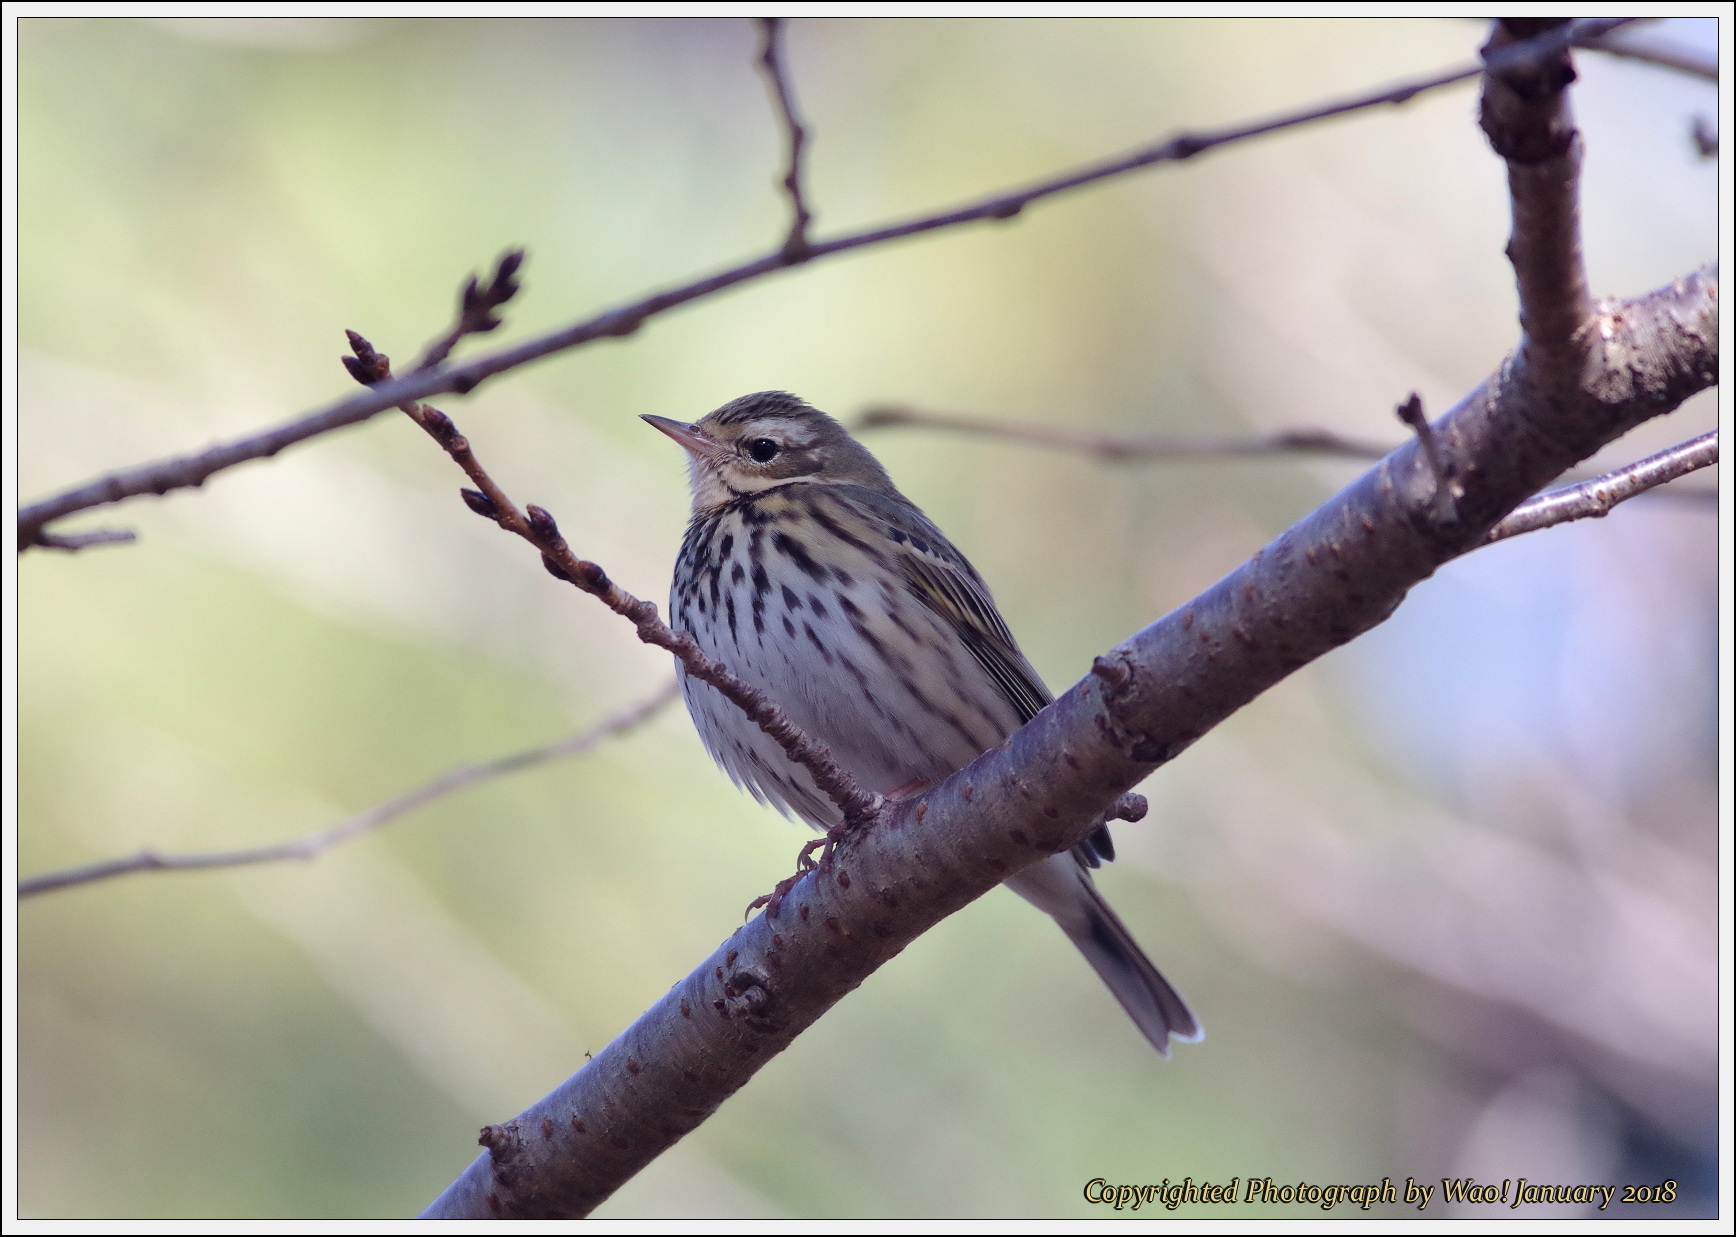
(804, 600)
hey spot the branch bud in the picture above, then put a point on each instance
(480, 503)
(542, 523)
(438, 424)
(366, 366)
(505, 287)
(592, 578)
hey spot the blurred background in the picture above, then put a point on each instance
(1446, 901)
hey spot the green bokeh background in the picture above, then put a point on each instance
(206, 204)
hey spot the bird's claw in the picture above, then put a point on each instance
(805, 863)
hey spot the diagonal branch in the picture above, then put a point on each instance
(772, 62)
(538, 527)
(1596, 498)
(1339, 572)
(187, 471)
(312, 845)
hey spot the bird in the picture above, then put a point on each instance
(809, 575)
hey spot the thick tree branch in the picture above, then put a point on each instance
(1337, 573)
(312, 845)
(1596, 498)
(192, 470)
(1524, 112)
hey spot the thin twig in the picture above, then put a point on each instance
(179, 472)
(795, 247)
(1411, 413)
(1112, 446)
(1681, 59)
(1118, 448)
(1594, 499)
(1704, 136)
(1184, 145)
(74, 542)
(476, 306)
(312, 845)
(857, 805)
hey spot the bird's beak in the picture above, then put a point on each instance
(695, 440)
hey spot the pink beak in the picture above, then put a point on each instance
(693, 439)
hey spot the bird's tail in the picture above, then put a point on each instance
(1156, 1008)
(1066, 891)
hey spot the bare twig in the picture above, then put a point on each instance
(538, 527)
(1524, 113)
(795, 247)
(1411, 413)
(1116, 448)
(1595, 499)
(74, 542)
(1110, 446)
(184, 471)
(1182, 146)
(1704, 136)
(476, 306)
(1681, 59)
(312, 845)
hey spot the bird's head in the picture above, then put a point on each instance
(764, 440)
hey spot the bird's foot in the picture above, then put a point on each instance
(774, 901)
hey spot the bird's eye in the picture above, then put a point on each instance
(763, 450)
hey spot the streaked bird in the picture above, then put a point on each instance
(809, 575)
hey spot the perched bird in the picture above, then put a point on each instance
(810, 576)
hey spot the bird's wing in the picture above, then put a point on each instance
(950, 586)
(947, 583)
